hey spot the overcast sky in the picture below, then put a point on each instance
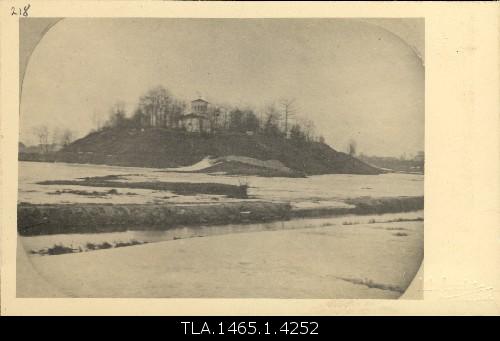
(353, 79)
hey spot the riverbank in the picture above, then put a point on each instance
(91, 218)
(365, 205)
(56, 244)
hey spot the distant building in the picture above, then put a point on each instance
(198, 119)
(199, 106)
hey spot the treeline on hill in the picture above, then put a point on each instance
(276, 120)
(273, 133)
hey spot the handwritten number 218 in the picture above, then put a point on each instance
(23, 12)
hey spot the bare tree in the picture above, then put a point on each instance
(60, 137)
(224, 116)
(117, 115)
(156, 104)
(214, 116)
(177, 108)
(272, 120)
(42, 134)
(56, 138)
(308, 129)
(66, 137)
(288, 111)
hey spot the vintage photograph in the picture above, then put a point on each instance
(220, 157)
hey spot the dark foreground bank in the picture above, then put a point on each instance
(366, 205)
(92, 218)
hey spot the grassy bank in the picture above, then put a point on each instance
(366, 205)
(59, 249)
(90, 218)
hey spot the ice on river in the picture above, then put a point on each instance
(337, 257)
(374, 260)
(311, 192)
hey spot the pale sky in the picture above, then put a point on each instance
(353, 79)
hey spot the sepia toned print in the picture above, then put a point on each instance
(220, 158)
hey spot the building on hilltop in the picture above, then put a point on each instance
(201, 118)
(199, 106)
(198, 120)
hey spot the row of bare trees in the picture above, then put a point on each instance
(48, 141)
(158, 107)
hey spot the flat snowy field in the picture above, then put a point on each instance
(311, 192)
(367, 260)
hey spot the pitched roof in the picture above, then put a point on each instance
(199, 100)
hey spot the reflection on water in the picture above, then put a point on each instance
(76, 241)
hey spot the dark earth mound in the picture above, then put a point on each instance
(163, 148)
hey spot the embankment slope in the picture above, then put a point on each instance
(164, 148)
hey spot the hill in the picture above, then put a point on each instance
(164, 148)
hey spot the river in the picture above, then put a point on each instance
(311, 192)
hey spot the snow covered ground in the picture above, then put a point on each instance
(376, 260)
(205, 163)
(311, 192)
(341, 257)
